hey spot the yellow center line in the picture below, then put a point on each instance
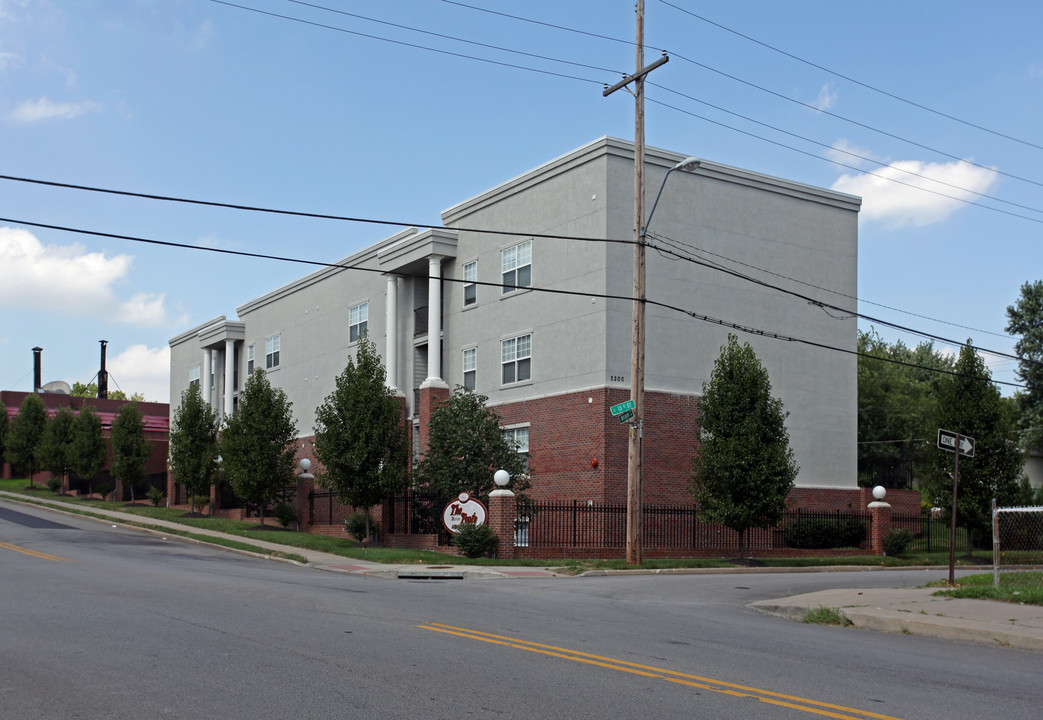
(719, 686)
(34, 553)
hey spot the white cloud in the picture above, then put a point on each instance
(141, 369)
(70, 280)
(844, 152)
(827, 97)
(40, 109)
(891, 195)
(9, 60)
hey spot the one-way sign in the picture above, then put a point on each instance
(947, 441)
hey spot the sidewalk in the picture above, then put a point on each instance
(913, 611)
(917, 611)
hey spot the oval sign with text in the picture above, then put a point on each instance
(464, 509)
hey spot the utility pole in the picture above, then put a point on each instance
(635, 549)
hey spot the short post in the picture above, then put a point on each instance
(501, 514)
(304, 481)
(880, 517)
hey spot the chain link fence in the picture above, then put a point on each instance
(1017, 547)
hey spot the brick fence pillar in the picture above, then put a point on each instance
(880, 518)
(501, 515)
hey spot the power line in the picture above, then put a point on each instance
(577, 293)
(837, 162)
(813, 301)
(507, 233)
(694, 249)
(667, 89)
(850, 79)
(290, 18)
(755, 86)
(852, 154)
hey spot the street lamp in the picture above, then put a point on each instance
(635, 447)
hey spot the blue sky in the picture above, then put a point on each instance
(339, 114)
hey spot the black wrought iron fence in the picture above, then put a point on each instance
(581, 524)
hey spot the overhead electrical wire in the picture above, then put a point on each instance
(825, 305)
(737, 79)
(665, 88)
(506, 233)
(841, 164)
(578, 293)
(675, 92)
(290, 18)
(694, 249)
(850, 79)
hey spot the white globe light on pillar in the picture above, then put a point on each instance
(501, 478)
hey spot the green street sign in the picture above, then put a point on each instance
(623, 407)
(626, 416)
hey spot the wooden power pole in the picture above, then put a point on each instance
(635, 549)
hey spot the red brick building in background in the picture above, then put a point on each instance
(156, 418)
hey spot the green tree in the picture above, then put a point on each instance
(130, 448)
(466, 446)
(971, 405)
(194, 444)
(23, 439)
(1025, 318)
(56, 448)
(257, 443)
(897, 404)
(4, 426)
(360, 435)
(88, 446)
(91, 391)
(744, 468)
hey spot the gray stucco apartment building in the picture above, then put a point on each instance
(552, 364)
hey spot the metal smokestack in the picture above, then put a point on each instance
(103, 375)
(37, 369)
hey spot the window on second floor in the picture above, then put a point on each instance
(249, 359)
(358, 321)
(516, 359)
(516, 266)
(470, 280)
(193, 376)
(271, 351)
(518, 438)
(470, 367)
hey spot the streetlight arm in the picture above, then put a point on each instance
(689, 163)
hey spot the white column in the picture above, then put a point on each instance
(229, 375)
(391, 328)
(204, 381)
(434, 323)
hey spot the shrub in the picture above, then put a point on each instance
(104, 489)
(822, 533)
(355, 526)
(55, 485)
(285, 514)
(155, 495)
(475, 541)
(897, 541)
(200, 501)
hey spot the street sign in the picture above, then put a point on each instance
(623, 407)
(626, 416)
(947, 441)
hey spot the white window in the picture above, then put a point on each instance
(518, 438)
(470, 288)
(249, 359)
(516, 266)
(193, 376)
(358, 321)
(515, 359)
(271, 351)
(470, 367)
